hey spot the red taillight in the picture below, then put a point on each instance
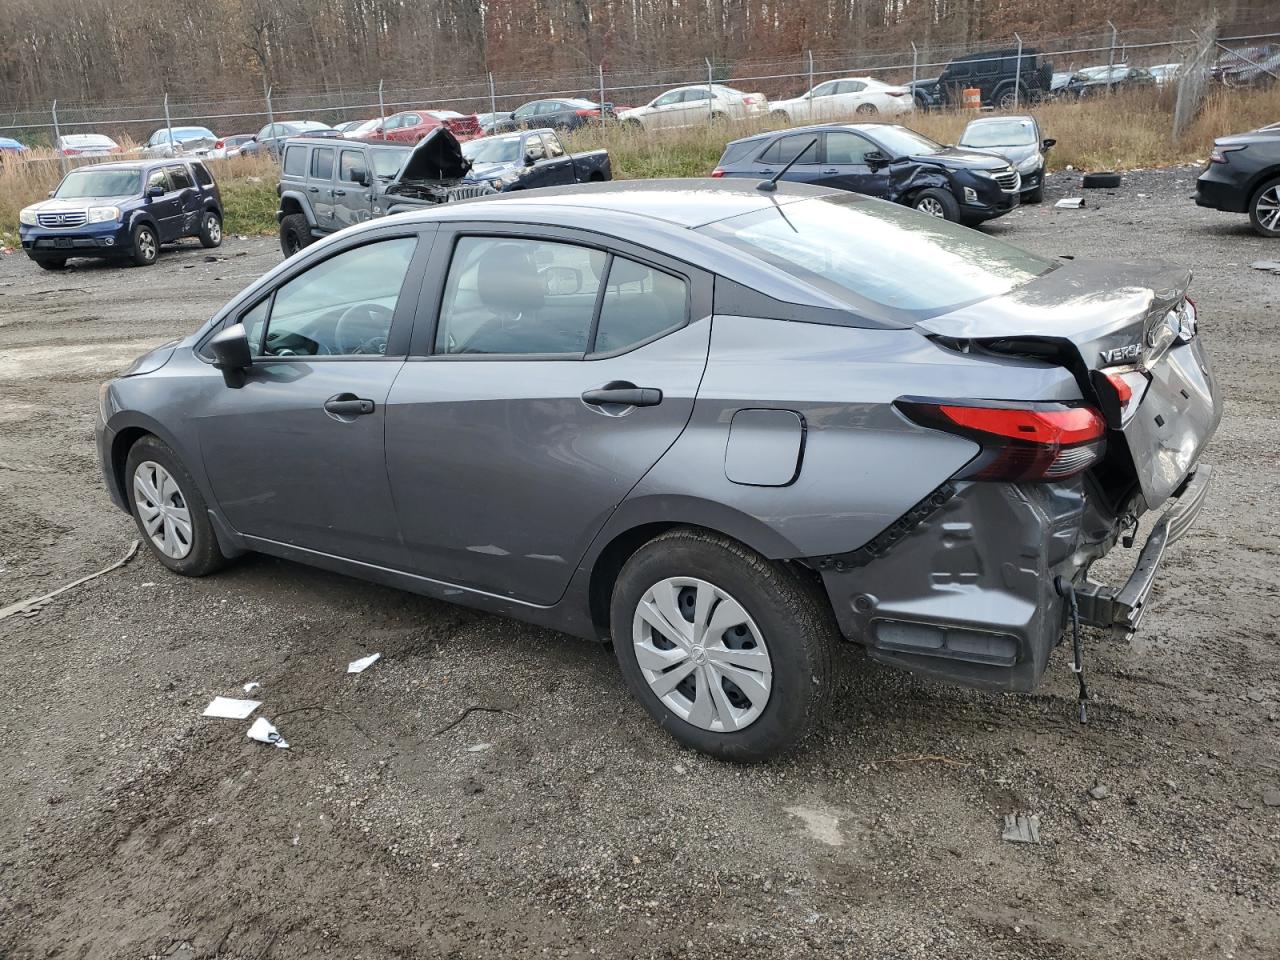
(1020, 444)
(717, 172)
(70, 152)
(1219, 154)
(751, 98)
(898, 93)
(219, 144)
(587, 113)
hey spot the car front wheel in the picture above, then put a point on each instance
(727, 651)
(295, 233)
(1264, 211)
(937, 203)
(146, 245)
(170, 512)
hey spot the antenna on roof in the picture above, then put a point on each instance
(770, 185)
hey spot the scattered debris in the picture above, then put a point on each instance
(228, 708)
(251, 686)
(821, 826)
(1070, 203)
(359, 666)
(263, 731)
(1271, 797)
(1096, 181)
(1020, 828)
(1099, 792)
(29, 608)
(1271, 266)
(479, 747)
(466, 713)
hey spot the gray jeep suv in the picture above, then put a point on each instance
(724, 428)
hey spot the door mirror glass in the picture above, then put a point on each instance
(360, 175)
(231, 354)
(155, 190)
(562, 281)
(875, 158)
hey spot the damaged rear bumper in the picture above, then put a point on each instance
(1121, 610)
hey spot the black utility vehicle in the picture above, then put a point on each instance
(123, 210)
(1243, 176)
(326, 185)
(532, 158)
(881, 160)
(1002, 76)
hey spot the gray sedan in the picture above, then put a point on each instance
(728, 429)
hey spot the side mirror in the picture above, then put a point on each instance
(231, 354)
(50, 194)
(530, 159)
(360, 176)
(155, 191)
(1049, 142)
(874, 158)
(562, 281)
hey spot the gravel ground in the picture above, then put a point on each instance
(568, 825)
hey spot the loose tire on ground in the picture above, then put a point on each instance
(202, 556)
(794, 622)
(1099, 181)
(295, 233)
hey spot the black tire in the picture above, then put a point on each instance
(1034, 196)
(632, 124)
(935, 198)
(779, 116)
(866, 110)
(295, 233)
(204, 556)
(792, 617)
(718, 117)
(211, 230)
(1268, 195)
(1005, 96)
(146, 245)
(1100, 181)
(51, 263)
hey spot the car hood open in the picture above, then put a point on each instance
(438, 156)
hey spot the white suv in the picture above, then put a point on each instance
(691, 106)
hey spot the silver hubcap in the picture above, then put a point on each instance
(702, 654)
(163, 509)
(215, 229)
(1268, 208)
(932, 207)
(147, 245)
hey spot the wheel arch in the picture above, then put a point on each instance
(1257, 182)
(292, 202)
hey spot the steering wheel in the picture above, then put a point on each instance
(362, 329)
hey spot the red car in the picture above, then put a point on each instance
(410, 126)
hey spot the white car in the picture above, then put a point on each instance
(86, 145)
(364, 130)
(845, 97)
(1165, 72)
(694, 106)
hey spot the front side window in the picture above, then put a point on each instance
(340, 307)
(295, 161)
(847, 148)
(533, 148)
(786, 149)
(516, 296)
(553, 145)
(157, 178)
(824, 89)
(322, 163)
(350, 162)
(668, 98)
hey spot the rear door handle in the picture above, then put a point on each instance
(626, 395)
(346, 405)
(339, 193)
(830, 170)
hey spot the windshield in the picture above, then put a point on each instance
(492, 150)
(388, 160)
(901, 142)
(99, 183)
(872, 254)
(999, 133)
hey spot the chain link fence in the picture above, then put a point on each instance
(1253, 52)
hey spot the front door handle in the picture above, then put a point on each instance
(339, 193)
(830, 170)
(623, 394)
(313, 189)
(348, 405)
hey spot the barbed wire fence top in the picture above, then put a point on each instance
(776, 78)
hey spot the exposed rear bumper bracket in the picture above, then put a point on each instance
(1121, 610)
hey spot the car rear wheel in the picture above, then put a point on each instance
(211, 230)
(937, 203)
(866, 110)
(146, 245)
(51, 263)
(295, 233)
(1264, 210)
(730, 653)
(1008, 98)
(170, 512)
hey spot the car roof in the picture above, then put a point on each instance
(135, 164)
(1020, 117)
(864, 127)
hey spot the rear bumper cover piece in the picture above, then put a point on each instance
(1121, 610)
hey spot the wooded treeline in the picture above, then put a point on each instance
(100, 49)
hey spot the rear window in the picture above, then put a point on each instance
(865, 251)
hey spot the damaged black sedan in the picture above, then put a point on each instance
(881, 160)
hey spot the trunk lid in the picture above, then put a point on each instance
(1098, 318)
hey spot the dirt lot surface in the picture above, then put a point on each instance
(130, 826)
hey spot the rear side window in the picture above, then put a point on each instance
(785, 149)
(639, 304)
(202, 175)
(180, 177)
(295, 161)
(322, 163)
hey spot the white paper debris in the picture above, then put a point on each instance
(359, 666)
(231, 709)
(479, 747)
(251, 686)
(1070, 203)
(264, 732)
